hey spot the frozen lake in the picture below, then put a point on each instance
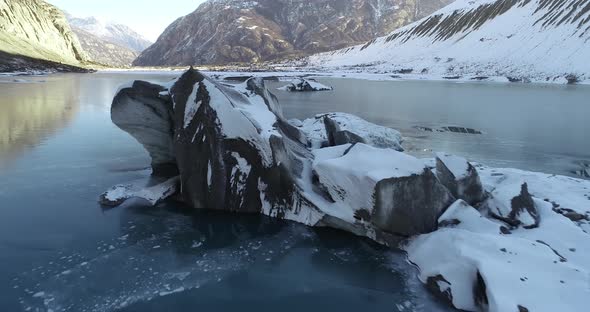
(59, 250)
(532, 127)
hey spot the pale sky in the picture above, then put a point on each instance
(147, 17)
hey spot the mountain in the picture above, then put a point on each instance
(537, 40)
(105, 52)
(33, 30)
(118, 34)
(224, 31)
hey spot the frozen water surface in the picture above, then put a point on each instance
(59, 251)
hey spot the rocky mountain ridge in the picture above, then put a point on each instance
(35, 29)
(105, 52)
(226, 31)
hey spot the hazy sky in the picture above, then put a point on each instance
(147, 17)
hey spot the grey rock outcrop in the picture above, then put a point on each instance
(145, 112)
(520, 211)
(105, 52)
(460, 177)
(336, 136)
(234, 151)
(304, 85)
(341, 128)
(390, 190)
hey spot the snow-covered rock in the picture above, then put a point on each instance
(235, 151)
(392, 190)
(524, 248)
(232, 147)
(305, 85)
(520, 40)
(460, 177)
(371, 134)
(474, 262)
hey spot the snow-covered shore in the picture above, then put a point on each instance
(528, 41)
(289, 72)
(476, 261)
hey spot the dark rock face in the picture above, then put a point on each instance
(230, 186)
(200, 131)
(583, 171)
(347, 137)
(465, 185)
(410, 205)
(523, 211)
(221, 32)
(524, 203)
(391, 191)
(480, 292)
(522, 309)
(572, 79)
(433, 282)
(339, 128)
(571, 214)
(452, 129)
(340, 137)
(28, 65)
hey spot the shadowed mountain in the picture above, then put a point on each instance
(36, 29)
(225, 31)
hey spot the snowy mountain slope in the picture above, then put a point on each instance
(539, 40)
(111, 32)
(225, 31)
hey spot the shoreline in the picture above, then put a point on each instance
(224, 72)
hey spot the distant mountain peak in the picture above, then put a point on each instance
(119, 34)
